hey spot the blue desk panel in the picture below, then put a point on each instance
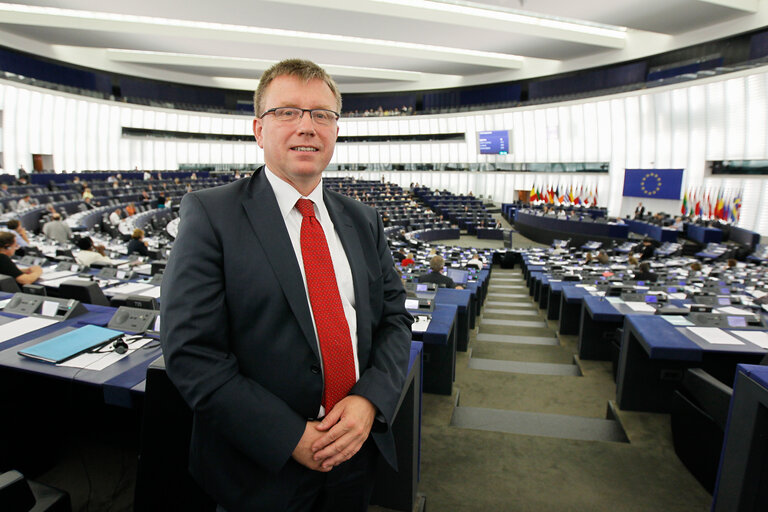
(652, 230)
(703, 235)
(654, 357)
(741, 476)
(462, 299)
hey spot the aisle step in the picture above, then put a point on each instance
(495, 365)
(511, 303)
(512, 323)
(508, 295)
(511, 311)
(511, 338)
(539, 424)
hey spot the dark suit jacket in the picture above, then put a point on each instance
(437, 278)
(239, 343)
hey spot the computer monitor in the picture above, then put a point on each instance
(459, 276)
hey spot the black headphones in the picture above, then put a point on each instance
(120, 346)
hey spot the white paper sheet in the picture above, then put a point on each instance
(97, 361)
(23, 326)
(130, 288)
(154, 292)
(52, 276)
(715, 335)
(640, 307)
(759, 338)
(677, 320)
(421, 324)
(730, 310)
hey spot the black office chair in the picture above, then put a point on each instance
(8, 284)
(17, 494)
(87, 292)
(699, 417)
(162, 480)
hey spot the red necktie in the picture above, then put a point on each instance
(331, 324)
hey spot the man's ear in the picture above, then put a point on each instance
(257, 131)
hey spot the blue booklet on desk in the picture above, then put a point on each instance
(71, 344)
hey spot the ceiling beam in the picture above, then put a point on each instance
(260, 65)
(84, 20)
(465, 14)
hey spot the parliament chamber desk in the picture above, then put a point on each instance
(490, 234)
(119, 384)
(600, 317)
(439, 353)
(655, 354)
(546, 228)
(465, 313)
(430, 235)
(571, 303)
(654, 231)
(39, 395)
(742, 481)
(702, 234)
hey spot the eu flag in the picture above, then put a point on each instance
(653, 183)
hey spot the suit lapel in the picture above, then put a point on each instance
(266, 220)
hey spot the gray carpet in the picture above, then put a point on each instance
(527, 441)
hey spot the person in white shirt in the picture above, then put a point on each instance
(114, 217)
(90, 254)
(475, 262)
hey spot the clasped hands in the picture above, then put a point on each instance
(340, 435)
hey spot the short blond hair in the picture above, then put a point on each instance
(437, 263)
(303, 70)
(137, 233)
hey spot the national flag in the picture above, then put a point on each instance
(534, 197)
(684, 208)
(697, 208)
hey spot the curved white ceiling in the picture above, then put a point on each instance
(368, 45)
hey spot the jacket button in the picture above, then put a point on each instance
(315, 368)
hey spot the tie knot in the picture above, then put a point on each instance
(306, 207)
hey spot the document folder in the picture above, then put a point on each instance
(70, 344)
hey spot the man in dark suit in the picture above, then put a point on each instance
(436, 276)
(244, 338)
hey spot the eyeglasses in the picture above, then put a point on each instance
(320, 116)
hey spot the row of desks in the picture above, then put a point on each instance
(123, 384)
(654, 355)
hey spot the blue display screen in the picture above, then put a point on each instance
(494, 142)
(651, 298)
(723, 301)
(737, 321)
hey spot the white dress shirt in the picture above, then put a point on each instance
(286, 199)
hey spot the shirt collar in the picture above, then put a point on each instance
(287, 195)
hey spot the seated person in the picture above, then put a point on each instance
(8, 248)
(408, 260)
(399, 255)
(137, 244)
(19, 232)
(644, 273)
(57, 230)
(436, 264)
(114, 217)
(648, 249)
(25, 203)
(90, 253)
(603, 258)
(475, 262)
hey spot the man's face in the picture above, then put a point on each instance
(297, 152)
(10, 250)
